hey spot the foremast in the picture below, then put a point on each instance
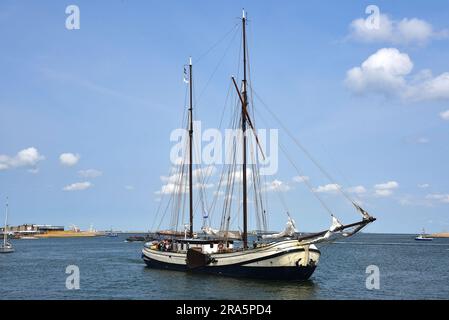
(190, 149)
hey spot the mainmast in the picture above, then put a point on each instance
(191, 148)
(244, 113)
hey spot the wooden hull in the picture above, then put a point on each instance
(285, 260)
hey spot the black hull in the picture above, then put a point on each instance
(239, 271)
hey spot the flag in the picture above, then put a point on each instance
(185, 79)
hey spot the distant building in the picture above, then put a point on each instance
(33, 228)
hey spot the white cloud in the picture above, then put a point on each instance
(422, 140)
(69, 159)
(424, 185)
(177, 183)
(328, 188)
(406, 31)
(171, 188)
(129, 188)
(445, 115)
(382, 72)
(301, 179)
(387, 72)
(357, 189)
(385, 189)
(198, 174)
(276, 186)
(444, 198)
(25, 158)
(90, 173)
(78, 186)
(384, 192)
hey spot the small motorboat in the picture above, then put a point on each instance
(423, 237)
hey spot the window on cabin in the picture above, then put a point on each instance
(211, 245)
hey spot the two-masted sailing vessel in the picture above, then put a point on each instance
(285, 255)
(6, 247)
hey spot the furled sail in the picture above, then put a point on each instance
(289, 231)
(221, 234)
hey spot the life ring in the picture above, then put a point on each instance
(220, 246)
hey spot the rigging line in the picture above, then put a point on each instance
(211, 208)
(222, 176)
(203, 55)
(217, 66)
(346, 180)
(252, 109)
(307, 183)
(324, 172)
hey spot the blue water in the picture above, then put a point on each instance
(112, 269)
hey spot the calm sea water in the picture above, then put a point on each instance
(113, 269)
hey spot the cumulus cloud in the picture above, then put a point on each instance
(276, 186)
(69, 159)
(412, 31)
(385, 189)
(357, 190)
(178, 183)
(443, 198)
(25, 158)
(445, 115)
(301, 179)
(90, 173)
(388, 72)
(78, 186)
(328, 188)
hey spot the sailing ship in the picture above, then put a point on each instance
(423, 236)
(285, 255)
(6, 247)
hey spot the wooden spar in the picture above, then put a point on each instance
(244, 104)
(248, 118)
(322, 233)
(191, 150)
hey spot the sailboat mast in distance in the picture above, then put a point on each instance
(244, 105)
(191, 148)
(5, 232)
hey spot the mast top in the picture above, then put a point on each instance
(190, 61)
(243, 13)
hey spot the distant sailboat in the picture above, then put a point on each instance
(423, 236)
(6, 247)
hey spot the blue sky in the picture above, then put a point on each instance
(370, 106)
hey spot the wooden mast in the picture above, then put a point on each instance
(244, 112)
(190, 149)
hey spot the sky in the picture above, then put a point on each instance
(86, 114)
